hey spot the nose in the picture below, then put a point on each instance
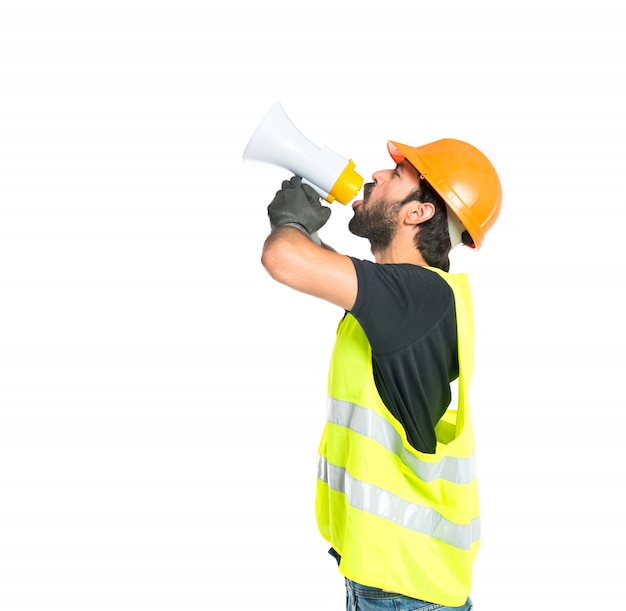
(379, 176)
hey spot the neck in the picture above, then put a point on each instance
(402, 249)
(396, 253)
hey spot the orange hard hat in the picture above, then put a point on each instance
(463, 176)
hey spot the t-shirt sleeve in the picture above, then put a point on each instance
(397, 304)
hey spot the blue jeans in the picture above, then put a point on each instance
(364, 598)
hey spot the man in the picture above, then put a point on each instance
(396, 489)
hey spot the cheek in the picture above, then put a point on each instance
(375, 197)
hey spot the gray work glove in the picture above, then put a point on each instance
(298, 205)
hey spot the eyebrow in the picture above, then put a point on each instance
(409, 164)
(400, 166)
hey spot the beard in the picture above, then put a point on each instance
(375, 220)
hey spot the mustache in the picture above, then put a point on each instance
(367, 189)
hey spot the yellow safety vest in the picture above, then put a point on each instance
(402, 520)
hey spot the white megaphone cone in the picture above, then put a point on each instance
(277, 141)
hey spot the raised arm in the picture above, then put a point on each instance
(294, 256)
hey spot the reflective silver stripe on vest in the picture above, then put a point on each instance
(376, 427)
(388, 506)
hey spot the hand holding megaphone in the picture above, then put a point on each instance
(298, 205)
(276, 140)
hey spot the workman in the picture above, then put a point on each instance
(397, 495)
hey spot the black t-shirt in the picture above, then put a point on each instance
(407, 313)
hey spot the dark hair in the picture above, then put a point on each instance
(467, 239)
(433, 237)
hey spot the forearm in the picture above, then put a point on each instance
(314, 238)
(291, 258)
(289, 235)
(294, 235)
(284, 248)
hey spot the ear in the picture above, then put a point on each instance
(418, 212)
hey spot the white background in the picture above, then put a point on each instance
(161, 399)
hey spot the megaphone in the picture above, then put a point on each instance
(277, 141)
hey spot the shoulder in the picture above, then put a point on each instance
(403, 281)
(398, 304)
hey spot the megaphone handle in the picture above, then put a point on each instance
(323, 194)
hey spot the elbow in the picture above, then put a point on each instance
(268, 259)
(275, 259)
